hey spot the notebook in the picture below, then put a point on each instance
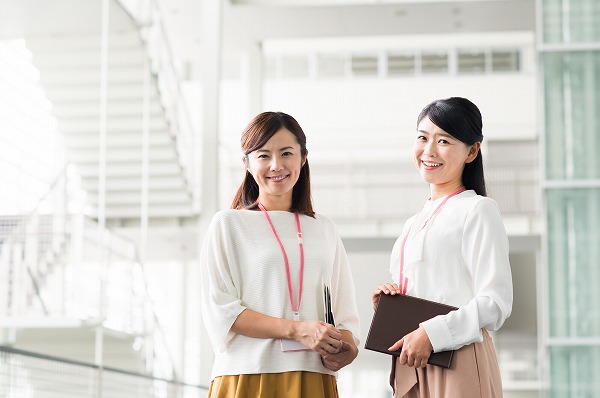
(398, 315)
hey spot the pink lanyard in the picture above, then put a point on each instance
(295, 309)
(403, 280)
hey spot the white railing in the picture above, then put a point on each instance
(518, 357)
(25, 374)
(57, 263)
(148, 17)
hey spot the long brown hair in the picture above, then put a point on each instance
(256, 134)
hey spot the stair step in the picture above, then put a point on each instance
(154, 211)
(88, 58)
(170, 169)
(91, 76)
(89, 139)
(127, 155)
(117, 139)
(116, 184)
(62, 43)
(135, 198)
(120, 92)
(114, 109)
(83, 126)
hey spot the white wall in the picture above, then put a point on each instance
(360, 129)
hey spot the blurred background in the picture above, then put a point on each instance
(119, 139)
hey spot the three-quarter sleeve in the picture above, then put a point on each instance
(220, 299)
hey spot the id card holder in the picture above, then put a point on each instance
(289, 345)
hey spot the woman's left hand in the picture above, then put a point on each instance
(416, 348)
(344, 357)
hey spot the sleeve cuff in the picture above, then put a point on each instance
(438, 333)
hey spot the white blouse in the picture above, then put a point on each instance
(243, 267)
(459, 258)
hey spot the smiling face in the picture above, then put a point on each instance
(276, 168)
(441, 158)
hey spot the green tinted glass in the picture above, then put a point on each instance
(571, 21)
(572, 114)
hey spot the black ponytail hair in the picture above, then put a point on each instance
(460, 118)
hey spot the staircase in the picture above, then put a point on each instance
(64, 280)
(30, 247)
(68, 285)
(68, 56)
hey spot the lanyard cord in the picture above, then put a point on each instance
(295, 309)
(402, 279)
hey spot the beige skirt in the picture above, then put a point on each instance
(275, 385)
(474, 373)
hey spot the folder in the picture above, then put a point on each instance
(327, 304)
(396, 316)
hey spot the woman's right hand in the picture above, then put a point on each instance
(385, 288)
(319, 336)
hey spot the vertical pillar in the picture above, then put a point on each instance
(103, 115)
(211, 72)
(99, 337)
(145, 174)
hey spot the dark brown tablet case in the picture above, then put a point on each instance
(398, 315)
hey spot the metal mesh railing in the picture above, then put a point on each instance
(518, 357)
(28, 375)
(62, 265)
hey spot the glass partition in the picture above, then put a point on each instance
(574, 372)
(573, 236)
(572, 101)
(571, 21)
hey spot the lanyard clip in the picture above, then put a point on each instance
(300, 240)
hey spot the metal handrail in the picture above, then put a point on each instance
(15, 351)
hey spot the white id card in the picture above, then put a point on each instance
(289, 345)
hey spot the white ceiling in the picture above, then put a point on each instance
(259, 20)
(248, 22)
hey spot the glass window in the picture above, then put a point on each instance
(572, 100)
(571, 21)
(364, 65)
(505, 61)
(434, 62)
(401, 64)
(471, 61)
(573, 253)
(574, 372)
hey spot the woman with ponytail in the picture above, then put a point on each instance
(453, 251)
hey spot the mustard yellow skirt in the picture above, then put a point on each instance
(274, 385)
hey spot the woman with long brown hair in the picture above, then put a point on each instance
(267, 264)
